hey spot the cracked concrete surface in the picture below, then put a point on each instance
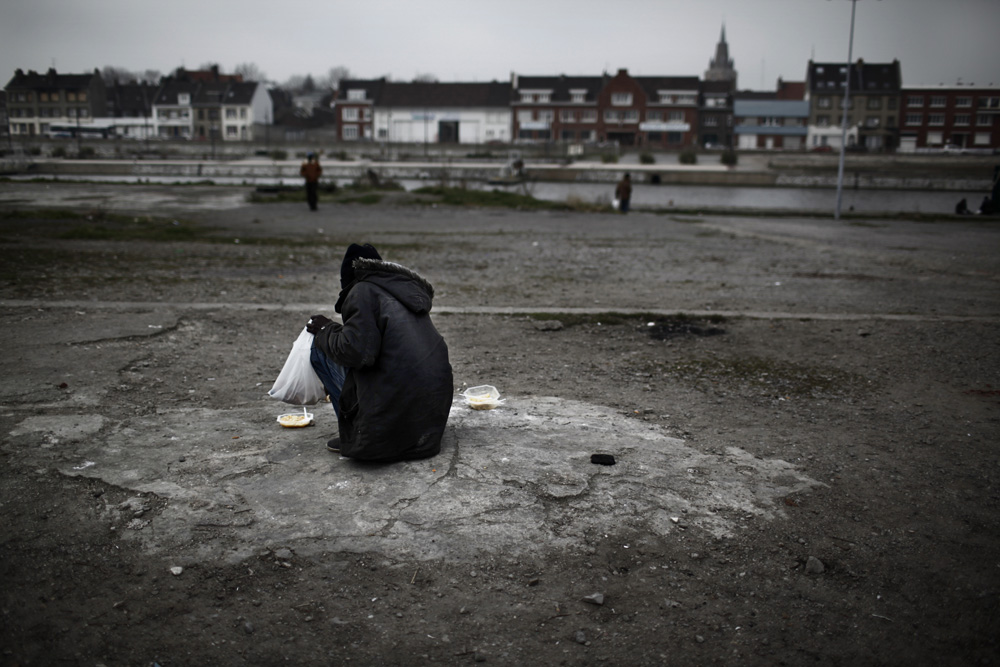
(517, 479)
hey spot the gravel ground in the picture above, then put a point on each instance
(865, 354)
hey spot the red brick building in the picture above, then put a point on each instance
(658, 112)
(959, 116)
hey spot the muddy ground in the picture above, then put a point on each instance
(865, 354)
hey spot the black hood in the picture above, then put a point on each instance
(406, 286)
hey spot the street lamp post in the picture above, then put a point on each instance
(843, 117)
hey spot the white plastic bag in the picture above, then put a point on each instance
(297, 382)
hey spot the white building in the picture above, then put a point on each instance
(424, 112)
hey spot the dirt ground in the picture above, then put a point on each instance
(865, 354)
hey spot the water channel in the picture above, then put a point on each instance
(682, 197)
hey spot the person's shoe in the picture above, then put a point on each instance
(333, 445)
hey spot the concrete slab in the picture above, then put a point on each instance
(517, 480)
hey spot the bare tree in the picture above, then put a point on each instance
(151, 76)
(113, 75)
(250, 72)
(294, 82)
(336, 75)
(425, 77)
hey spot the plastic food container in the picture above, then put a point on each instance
(483, 397)
(296, 419)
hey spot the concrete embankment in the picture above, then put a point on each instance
(859, 174)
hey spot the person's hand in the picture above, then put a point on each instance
(316, 323)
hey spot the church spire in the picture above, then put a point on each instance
(720, 68)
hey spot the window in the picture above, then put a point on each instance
(230, 130)
(872, 121)
(666, 98)
(938, 100)
(823, 121)
(934, 139)
(824, 102)
(351, 113)
(990, 102)
(525, 116)
(578, 96)
(356, 95)
(892, 103)
(567, 115)
(711, 121)
(935, 119)
(243, 112)
(961, 119)
(366, 113)
(43, 97)
(982, 138)
(770, 121)
(350, 132)
(914, 100)
(81, 96)
(588, 116)
(630, 116)
(873, 103)
(654, 116)
(676, 117)
(568, 135)
(612, 116)
(544, 98)
(70, 96)
(83, 112)
(527, 97)
(963, 101)
(686, 99)
(621, 99)
(183, 99)
(231, 114)
(984, 119)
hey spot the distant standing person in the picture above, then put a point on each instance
(311, 171)
(623, 193)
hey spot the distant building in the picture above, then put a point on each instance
(873, 109)
(131, 105)
(4, 121)
(36, 101)
(655, 112)
(720, 68)
(434, 112)
(715, 114)
(422, 111)
(354, 108)
(763, 121)
(944, 117)
(556, 108)
(210, 108)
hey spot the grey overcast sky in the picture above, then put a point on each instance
(937, 41)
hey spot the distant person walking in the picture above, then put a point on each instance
(311, 171)
(623, 193)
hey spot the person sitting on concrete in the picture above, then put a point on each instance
(386, 367)
(962, 208)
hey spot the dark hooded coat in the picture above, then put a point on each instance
(398, 391)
